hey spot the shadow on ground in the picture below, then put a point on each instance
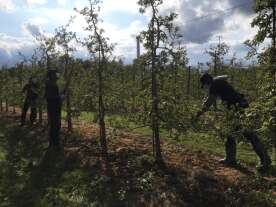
(31, 175)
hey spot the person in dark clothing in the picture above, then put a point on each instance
(219, 88)
(30, 89)
(54, 102)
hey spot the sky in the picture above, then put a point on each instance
(201, 22)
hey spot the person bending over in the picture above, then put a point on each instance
(220, 88)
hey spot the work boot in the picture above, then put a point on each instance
(263, 168)
(230, 149)
(57, 148)
(259, 149)
(265, 162)
(226, 161)
(22, 122)
(33, 115)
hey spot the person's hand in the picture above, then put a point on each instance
(194, 121)
(62, 96)
(198, 114)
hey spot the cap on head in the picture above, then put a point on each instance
(205, 79)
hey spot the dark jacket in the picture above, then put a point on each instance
(30, 90)
(220, 88)
(52, 97)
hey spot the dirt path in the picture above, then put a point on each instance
(189, 172)
(175, 154)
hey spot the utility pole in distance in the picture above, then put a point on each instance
(138, 46)
(188, 82)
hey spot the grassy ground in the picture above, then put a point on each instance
(195, 140)
(31, 175)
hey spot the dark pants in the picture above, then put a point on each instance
(230, 147)
(29, 104)
(54, 121)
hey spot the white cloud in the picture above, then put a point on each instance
(200, 34)
(10, 43)
(112, 5)
(120, 5)
(234, 26)
(62, 2)
(237, 29)
(10, 46)
(125, 38)
(32, 2)
(50, 18)
(58, 15)
(6, 5)
(39, 20)
(34, 30)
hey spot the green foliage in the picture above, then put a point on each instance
(127, 100)
(217, 53)
(265, 22)
(261, 115)
(145, 183)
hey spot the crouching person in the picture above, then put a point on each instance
(54, 103)
(220, 88)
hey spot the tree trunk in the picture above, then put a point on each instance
(69, 112)
(1, 105)
(68, 96)
(198, 82)
(256, 81)
(274, 149)
(122, 94)
(216, 64)
(133, 105)
(273, 71)
(40, 114)
(189, 83)
(175, 83)
(102, 112)
(48, 63)
(273, 58)
(7, 106)
(155, 112)
(145, 108)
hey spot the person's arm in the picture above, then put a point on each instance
(46, 89)
(208, 102)
(62, 95)
(24, 89)
(35, 89)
